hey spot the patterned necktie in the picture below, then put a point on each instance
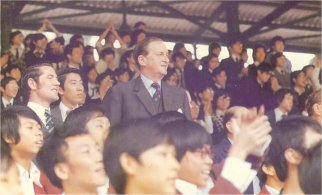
(17, 53)
(157, 94)
(49, 121)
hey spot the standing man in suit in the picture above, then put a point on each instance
(71, 91)
(41, 86)
(146, 95)
(284, 100)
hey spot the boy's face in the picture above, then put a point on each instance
(73, 89)
(98, 128)
(196, 166)
(156, 170)
(31, 138)
(83, 165)
(11, 89)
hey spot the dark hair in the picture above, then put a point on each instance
(75, 38)
(217, 71)
(187, 136)
(170, 72)
(107, 51)
(72, 45)
(8, 69)
(257, 46)
(177, 55)
(213, 46)
(289, 133)
(30, 37)
(120, 71)
(13, 34)
(167, 117)
(294, 75)
(102, 76)
(142, 48)
(124, 33)
(314, 98)
(264, 67)
(305, 68)
(177, 47)
(62, 74)
(124, 58)
(233, 39)
(136, 25)
(275, 57)
(10, 122)
(79, 117)
(4, 82)
(210, 57)
(60, 40)
(32, 72)
(310, 171)
(135, 35)
(220, 93)
(280, 94)
(132, 137)
(274, 40)
(36, 37)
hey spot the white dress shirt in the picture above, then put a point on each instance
(29, 178)
(187, 188)
(5, 102)
(39, 110)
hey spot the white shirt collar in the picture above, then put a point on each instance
(185, 187)
(278, 114)
(6, 102)
(39, 110)
(219, 112)
(147, 83)
(234, 56)
(28, 178)
(271, 190)
(64, 109)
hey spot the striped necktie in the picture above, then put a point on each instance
(157, 94)
(49, 121)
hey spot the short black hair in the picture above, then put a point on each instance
(13, 34)
(72, 45)
(294, 75)
(139, 23)
(289, 133)
(217, 71)
(177, 55)
(60, 40)
(120, 71)
(107, 51)
(135, 35)
(187, 136)
(62, 74)
(170, 72)
(132, 137)
(257, 46)
(275, 57)
(177, 47)
(305, 68)
(213, 46)
(75, 38)
(32, 72)
(8, 69)
(274, 40)
(280, 94)
(36, 37)
(10, 122)
(4, 82)
(264, 67)
(102, 76)
(169, 116)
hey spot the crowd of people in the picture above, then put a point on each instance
(144, 119)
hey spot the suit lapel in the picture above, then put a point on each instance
(166, 97)
(144, 96)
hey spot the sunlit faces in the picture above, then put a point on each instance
(76, 56)
(156, 171)
(31, 138)
(196, 166)
(156, 62)
(98, 128)
(287, 103)
(213, 63)
(72, 94)
(279, 46)
(47, 86)
(83, 164)
(11, 89)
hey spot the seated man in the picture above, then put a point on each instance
(293, 137)
(20, 131)
(139, 158)
(73, 161)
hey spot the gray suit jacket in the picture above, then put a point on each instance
(56, 115)
(132, 100)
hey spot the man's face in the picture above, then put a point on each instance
(156, 62)
(157, 170)
(221, 79)
(76, 56)
(18, 39)
(237, 48)
(11, 89)
(173, 80)
(208, 94)
(287, 102)
(109, 58)
(281, 61)
(260, 55)
(124, 78)
(213, 63)
(196, 166)
(263, 76)
(84, 162)
(223, 102)
(47, 85)
(41, 44)
(300, 80)
(180, 63)
(72, 94)
(140, 37)
(31, 138)
(216, 51)
(279, 46)
(15, 73)
(92, 75)
(98, 128)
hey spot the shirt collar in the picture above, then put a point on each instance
(185, 187)
(278, 114)
(271, 190)
(147, 83)
(6, 102)
(234, 56)
(39, 110)
(64, 109)
(33, 174)
(219, 112)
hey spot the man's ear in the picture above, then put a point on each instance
(228, 127)
(268, 170)
(32, 83)
(60, 91)
(316, 109)
(9, 139)
(128, 164)
(2, 89)
(142, 60)
(69, 56)
(62, 171)
(292, 156)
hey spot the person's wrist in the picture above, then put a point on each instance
(237, 153)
